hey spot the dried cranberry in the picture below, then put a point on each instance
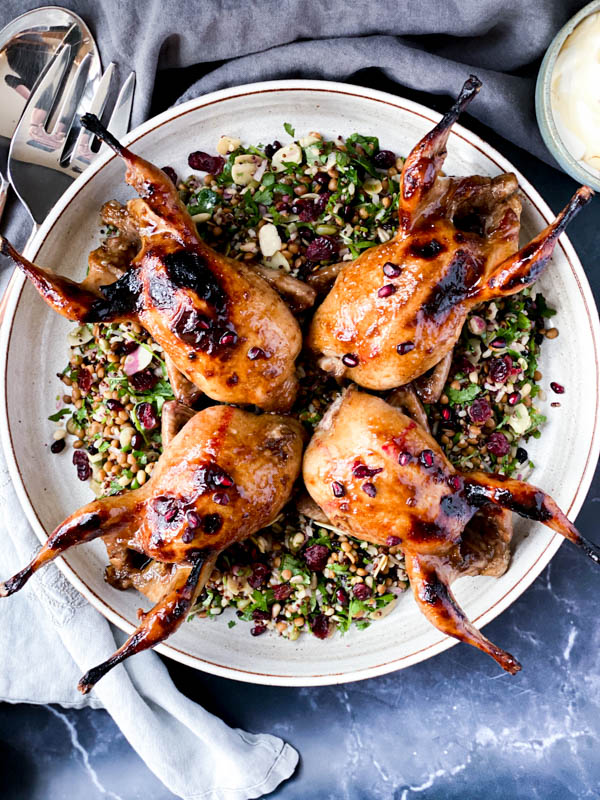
(405, 347)
(258, 629)
(426, 458)
(521, 455)
(323, 248)
(84, 379)
(113, 405)
(82, 462)
(342, 597)
(282, 591)
(321, 202)
(271, 149)
(500, 368)
(204, 162)
(350, 360)
(171, 173)
(319, 625)
(361, 591)
(391, 270)
(260, 573)
(393, 541)
(126, 347)
(212, 523)
(369, 489)
(557, 388)
(57, 446)
(143, 381)
(322, 178)
(384, 159)
(306, 209)
(480, 410)
(338, 489)
(403, 459)
(137, 441)
(258, 614)
(316, 557)
(498, 444)
(256, 353)
(147, 416)
(387, 290)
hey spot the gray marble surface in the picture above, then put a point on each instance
(452, 727)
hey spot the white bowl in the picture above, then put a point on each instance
(33, 349)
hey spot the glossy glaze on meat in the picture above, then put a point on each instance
(379, 476)
(221, 324)
(398, 309)
(226, 475)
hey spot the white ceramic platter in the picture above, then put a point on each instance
(33, 349)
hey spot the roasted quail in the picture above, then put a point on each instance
(226, 474)
(220, 323)
(398, 309)
(379, 476)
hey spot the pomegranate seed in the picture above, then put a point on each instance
(403, 459)
(227, 338)
(282, 591)
(350, 360)
(480, 410)
(212, 523)
(203, 162)
(193, 519)
(361, 591)
(384, 159)
(387, 290)
(360, 471)
(393, 541)
(221, 498)
(338, 489)
(114, 405)
(260, 573)
(498, 444)
(446, 414)
(344, 506)
(514, 398)
(316, 557)
(323, 248)
(498, 343)
(557, 388)
(369, 489)
(454, 482)
(322, 178)
(342, 597)
(170, 514)
(405, 348)
(221, 478)
(136, 441)
(426, 458)
(319, 625)
(57, 446)
(255, 353)
(171, 173)
(187, 536)
(147, 417)
(271, 149)
(258, 629)
(391, 270)
(499, 368)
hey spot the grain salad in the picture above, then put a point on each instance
(296, 207)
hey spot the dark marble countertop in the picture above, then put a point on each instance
(451, 727)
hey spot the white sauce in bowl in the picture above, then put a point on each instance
(575, 93)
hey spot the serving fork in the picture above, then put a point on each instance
(49, 148)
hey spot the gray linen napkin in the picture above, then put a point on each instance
(48, 634)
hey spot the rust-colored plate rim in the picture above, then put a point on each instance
(10, 300)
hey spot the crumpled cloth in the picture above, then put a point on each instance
(49, 635)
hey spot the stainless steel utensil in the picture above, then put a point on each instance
(49, 149)
(27, 46)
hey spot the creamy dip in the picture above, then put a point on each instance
(575, 93)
